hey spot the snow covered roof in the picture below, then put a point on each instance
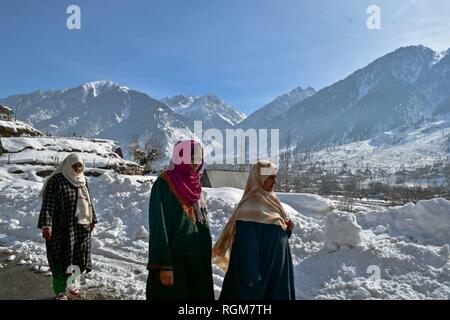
(48, 150)
(5, 109)
(16, 128)
(223, 178)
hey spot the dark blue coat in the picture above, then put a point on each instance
(260, 265)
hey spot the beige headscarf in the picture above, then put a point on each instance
(256, 205)
(84, 205)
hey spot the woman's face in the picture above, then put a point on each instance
(269, 183)
(195, 167)
(196, 160)
(78, 167)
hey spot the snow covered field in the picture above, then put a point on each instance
(382, 253)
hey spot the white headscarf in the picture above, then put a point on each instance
(78, 180)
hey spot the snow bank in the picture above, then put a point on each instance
(427, 222)
(341, 228)
(307, 204)
(4, 174)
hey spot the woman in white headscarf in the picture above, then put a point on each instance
(253, 248)
(67, 219)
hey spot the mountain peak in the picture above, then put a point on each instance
(212, 96)
(212, 110)
(101, 86)
(417, 48)
(301, 90)
(406, 63)
(411, 52)
(179, 102)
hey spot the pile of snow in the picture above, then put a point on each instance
(427, 222)
(4, 174)
(307, 204)
(361, 264)
(10, 258)
(341, 229)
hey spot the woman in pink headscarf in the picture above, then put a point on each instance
(180, 241)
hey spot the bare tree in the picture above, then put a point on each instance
(135, 151)
(350, 187)
(133, 145)
(153, 150)
(328, 184)
(287, 158)
(149, 153)
(303, 181)
(446, 173)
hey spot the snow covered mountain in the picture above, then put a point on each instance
(393, 150)
(100, 109)
(407, 87)
(179, 103)
(277, 107)
(213, 111)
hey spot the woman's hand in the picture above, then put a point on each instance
(290, 225)
(166, 277)
(47, 233)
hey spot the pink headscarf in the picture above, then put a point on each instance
(186, 182)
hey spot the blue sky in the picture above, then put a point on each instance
(247, 52)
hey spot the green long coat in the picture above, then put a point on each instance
(177, 244)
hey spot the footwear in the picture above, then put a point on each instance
(73, 294)
(62, 296)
